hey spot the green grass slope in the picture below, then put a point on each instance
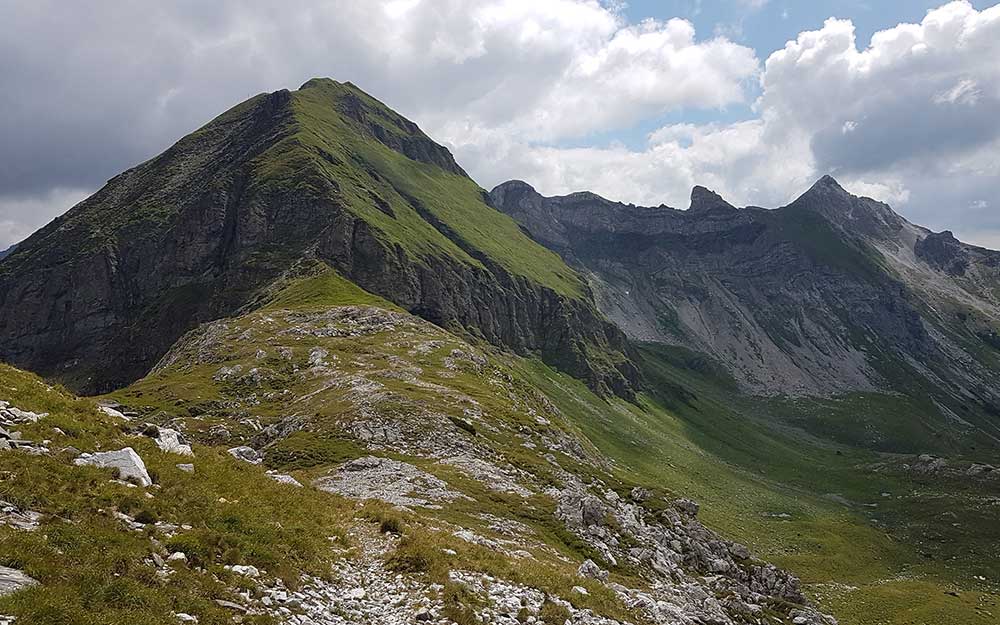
(344, 135)
(875, 547)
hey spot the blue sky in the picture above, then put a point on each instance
(636, 101)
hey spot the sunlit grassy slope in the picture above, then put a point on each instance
(411, 203)
(873, 548)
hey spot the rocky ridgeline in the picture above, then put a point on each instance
(691, 575)
(753, 288)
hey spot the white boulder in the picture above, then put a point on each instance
(111, 412)
(246, 454)
(128, 463)
(172, 442)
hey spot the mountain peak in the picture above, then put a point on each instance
(704, 200)
(828, 181)
(319, 81)
(827, 186)
(847, 211)
(317, 96)
(513, 192)
(515, 185)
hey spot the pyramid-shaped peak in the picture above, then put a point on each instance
(827, 194)
(828, 184)
(323, 104)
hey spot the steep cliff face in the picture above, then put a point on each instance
(323, 173)
(830, 294)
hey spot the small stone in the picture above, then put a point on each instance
(188, 468)
(229, 605)
(246, 454)
(184, 617)
(284, 479)
(245, 569)
(111, 412)
(356, 593)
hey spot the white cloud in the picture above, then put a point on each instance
(965, 92)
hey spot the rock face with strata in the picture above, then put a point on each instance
(810, 299)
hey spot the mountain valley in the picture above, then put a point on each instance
(300, 368)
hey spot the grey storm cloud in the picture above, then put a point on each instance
(913, 124)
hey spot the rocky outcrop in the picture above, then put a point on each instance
(397, 483)
(943, 252)
(12, 580)
(11, 438)
(18, 518)
(675, 548)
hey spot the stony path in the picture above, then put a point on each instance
(363, 591)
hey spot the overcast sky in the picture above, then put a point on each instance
(637, 101)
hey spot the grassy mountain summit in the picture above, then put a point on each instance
(325, 172)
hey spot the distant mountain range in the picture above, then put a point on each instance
(829, 295)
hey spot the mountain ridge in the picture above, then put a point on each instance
(830, 294)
